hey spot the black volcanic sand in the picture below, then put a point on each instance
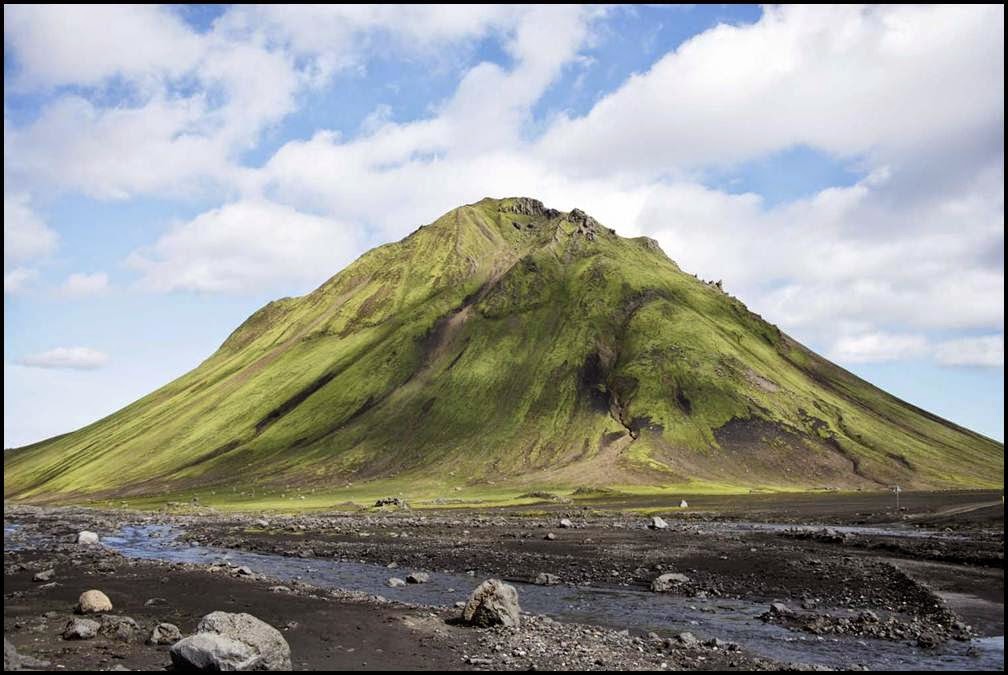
(926, 588)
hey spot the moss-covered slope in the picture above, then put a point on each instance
(511, 343)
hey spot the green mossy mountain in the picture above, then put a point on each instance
(509, 343)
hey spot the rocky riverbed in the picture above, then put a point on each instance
(739, 595)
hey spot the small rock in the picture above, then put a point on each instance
(657, 523)
(262, 522)
(121, 628)
(45, 575)
(668, 582)
(93, 602)
(153, 602)
(549, 536)
(80, 629)
(547, 579)
(417, 578)
(687, 639)
(165, 634)
(780, 609)
(683, 504)
(244, 571)
(87, 538)
(395, 582)
(566, 523)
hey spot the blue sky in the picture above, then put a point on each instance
(168, 170)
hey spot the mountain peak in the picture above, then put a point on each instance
(512, 343)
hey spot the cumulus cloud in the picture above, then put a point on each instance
(73, 358)
(25, 234)
(80, 285)
(912, 97)
(243, 245)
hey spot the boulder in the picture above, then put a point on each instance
(93, 602)
(669, 582)
(45, 575)
(493, 603)
(417, 578)
(225, 641)
(87, 538)
(547, 579)
(80, 629)
(549, 536)
(165, 634)
(687, 639)
(395, 582)
(780, 609)
(657, 523)
(566, 523)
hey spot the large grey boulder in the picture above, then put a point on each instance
(213, 652)
(657, 523)
(225, 641)
(493, 603)
(669, 582)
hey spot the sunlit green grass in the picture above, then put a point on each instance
(456, 364)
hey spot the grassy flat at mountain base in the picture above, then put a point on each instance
(505, 346)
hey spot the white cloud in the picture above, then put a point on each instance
(80, 285)
(878, 347)
(74, 358)
(15, 279)
(987, 351)
(244, 245)
(848, 80)
(25, 234)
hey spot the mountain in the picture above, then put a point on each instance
(508, 344)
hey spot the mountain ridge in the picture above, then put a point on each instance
(508, 342)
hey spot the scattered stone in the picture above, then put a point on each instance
(225, 641)
(93, 602)
(262, 522)
(395, 582)
(657, 523)
(566, 523)
(152, 602)
(280, 589)
(669, 582)
(80, 629)
(45, 575)
(492, 603)
(244, 571)
(547, 579)
(687, 639)
(683, 504)
(165, 634)
(417, 578)
(87, 538)
(549, 536)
